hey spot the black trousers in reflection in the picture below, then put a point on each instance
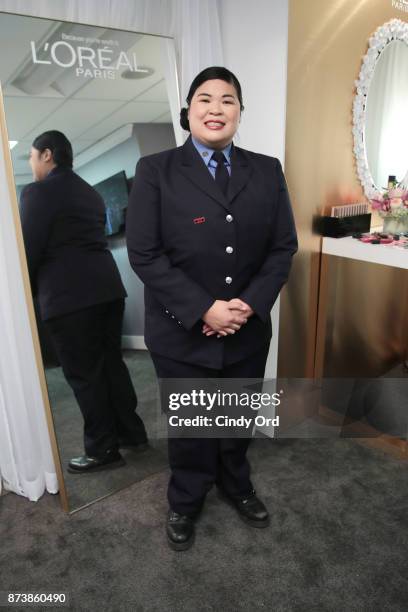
(88, 345)
(198, 463)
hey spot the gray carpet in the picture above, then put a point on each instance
(338, 540)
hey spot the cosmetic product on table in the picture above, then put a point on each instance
(382, 238)
(344, 220)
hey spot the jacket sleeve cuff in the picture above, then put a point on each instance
(192, 318)
(261, 311)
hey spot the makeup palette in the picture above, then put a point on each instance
(396, 240)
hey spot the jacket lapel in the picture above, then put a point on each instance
(195, 169)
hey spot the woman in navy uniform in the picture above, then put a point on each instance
(210, 232)
(81, 299)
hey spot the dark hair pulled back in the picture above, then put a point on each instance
(58, 144)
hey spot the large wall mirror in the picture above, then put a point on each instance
(113, 94)
(380, 109)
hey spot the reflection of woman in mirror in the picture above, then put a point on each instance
(210, 232)
(81, 299)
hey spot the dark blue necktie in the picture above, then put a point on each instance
(221, 172)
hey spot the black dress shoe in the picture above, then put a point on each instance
(109, 460)
(180, 530)
(250, 509)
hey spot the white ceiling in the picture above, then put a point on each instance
(95, 107)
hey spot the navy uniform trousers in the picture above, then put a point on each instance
(88, 345)
(198, 463)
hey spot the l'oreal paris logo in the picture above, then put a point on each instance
(401, 5)
(102, 62)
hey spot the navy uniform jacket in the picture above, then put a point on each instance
(191, 245)
(70, 266)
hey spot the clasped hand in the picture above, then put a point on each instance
(225, 318)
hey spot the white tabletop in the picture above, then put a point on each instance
(351, 248)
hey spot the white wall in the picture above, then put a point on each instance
(255, 40)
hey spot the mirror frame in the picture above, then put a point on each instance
(383, 36)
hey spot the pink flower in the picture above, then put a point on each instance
(381, 203)
(390, 200)
(377, 202)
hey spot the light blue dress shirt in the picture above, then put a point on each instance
(206, 153)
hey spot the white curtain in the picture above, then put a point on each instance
(26, 465)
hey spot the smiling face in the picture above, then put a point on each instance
(214, 113)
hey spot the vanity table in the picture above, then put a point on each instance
(383, 254)
(348, 248)
(334, 251)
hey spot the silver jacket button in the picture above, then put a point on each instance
(229, 218)
(229, 249)
(228, 280)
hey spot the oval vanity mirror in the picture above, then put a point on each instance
(386, 125)
(380, 106)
